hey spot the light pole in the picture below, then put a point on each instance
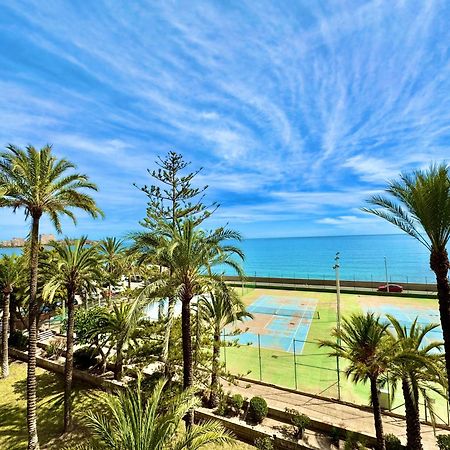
(338, 319)
(386, 271)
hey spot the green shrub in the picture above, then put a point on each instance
(84, 358)
(299, 422)
(392, 442)
(18, 340)
(443, 441)
(264, 443)
(235, 404)
(352, 442)
(335, 436)
(55, 348)
(257, 409)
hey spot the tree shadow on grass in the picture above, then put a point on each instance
(50, 408)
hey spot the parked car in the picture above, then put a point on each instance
(392, 288)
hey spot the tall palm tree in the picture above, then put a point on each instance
(133, 422)
(10, 273)
(41, 184)
(363, 341)
(112, 251)
(76, 269)
(419, 204)
(417, 365)
(194, 254)
(220, 308)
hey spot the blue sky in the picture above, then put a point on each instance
(297, 111)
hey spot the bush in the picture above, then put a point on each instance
(235, 404)
(443, 441)
(264, 443)
(55, 348)
(352, 442)
(299, 422)
(18, 340)
(392, 442)
(84, 358)
(257, 409)
(335, 436)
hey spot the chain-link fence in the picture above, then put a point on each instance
(307, 368)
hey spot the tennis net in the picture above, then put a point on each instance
(287, 312)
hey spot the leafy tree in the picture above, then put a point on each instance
(417, 366)
(133, 422)
(76, 269)
(363, 341)
(10, 274)
(38, 182)
(419, 204)
(171, 200)
(220, 308)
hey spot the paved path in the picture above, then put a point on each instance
(348, 417)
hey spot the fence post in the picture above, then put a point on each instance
(259, 355)
(338, 372)
(295, 368)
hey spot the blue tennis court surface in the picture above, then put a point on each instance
(407, 315)
(278, 321)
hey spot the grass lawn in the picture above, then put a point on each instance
(315, 371)
(13, 428)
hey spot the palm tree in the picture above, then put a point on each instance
(363, 341)
(112, 250)
(133, 422)
(420, 206)
(220, 308)
(418, 367)
(121, 322)
(10, 273)
(192, 255)
(76, 269)
(38, 182)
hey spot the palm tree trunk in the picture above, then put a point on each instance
(414, 439)
(214, 395)
(68, 369)
(12, 315)
(439, 264)
(166, 343)
(118, 367)
(5, 326)
(378, 421)
(33, 441)
(187, 347)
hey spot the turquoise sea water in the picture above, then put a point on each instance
(362, 257)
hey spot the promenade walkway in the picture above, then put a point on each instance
(351, 418)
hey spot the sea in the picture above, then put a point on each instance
(362, 258)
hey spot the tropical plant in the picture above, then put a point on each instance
(10, 274)
(133, 422)
(363, 341)
(417, 365)
(192, 255)
(112, 251)
(419, 204)
(220, 308)
(38, 182)
(76, 269)
(121, 322)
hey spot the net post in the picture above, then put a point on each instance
(259, 356)
(295, 368)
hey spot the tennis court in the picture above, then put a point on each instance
(278, 321)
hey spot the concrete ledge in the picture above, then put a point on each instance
(248, 433)
(56, 367)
